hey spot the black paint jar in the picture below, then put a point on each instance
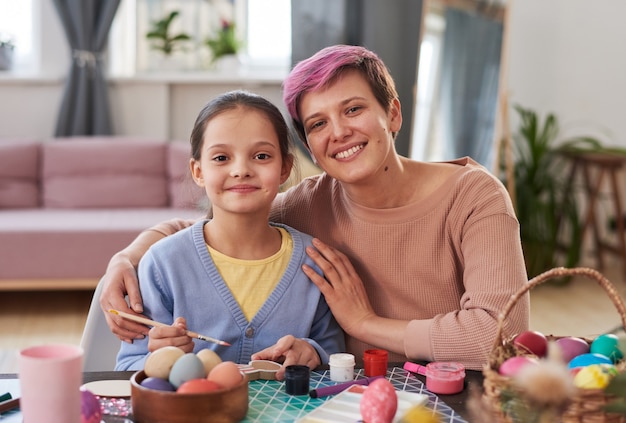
(297, 380)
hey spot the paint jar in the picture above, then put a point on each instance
(375, 362)
(341, 367)
(297, 380)
(445, 377)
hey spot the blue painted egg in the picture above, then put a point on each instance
(588, 359)
(187, 367)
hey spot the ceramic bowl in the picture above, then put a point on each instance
(222, 406)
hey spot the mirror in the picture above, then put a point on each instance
(458, 81)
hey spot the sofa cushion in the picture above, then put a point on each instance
(104, 172)
(71, 243)
(183, 191)
(19, 174)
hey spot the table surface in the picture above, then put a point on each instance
(451, 408)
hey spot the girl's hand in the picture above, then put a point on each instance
(342, 287)
(290, 350)
(174, 335)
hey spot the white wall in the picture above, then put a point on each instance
(568, 57)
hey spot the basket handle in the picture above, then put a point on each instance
(555, 273)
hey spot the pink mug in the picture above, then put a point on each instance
(50, 380)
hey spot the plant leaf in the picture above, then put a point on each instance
(618, 407)
(617, 386)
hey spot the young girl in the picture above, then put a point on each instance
(236, 276)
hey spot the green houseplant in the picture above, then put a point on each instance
(225, 41)
(162, 39)
(7, 46)
(548, 212)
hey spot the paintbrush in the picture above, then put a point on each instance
(9, 405)
(149, 322)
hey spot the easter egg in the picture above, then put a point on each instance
(90, 411)
(197, 386)
(595, 376)
(588, 359)
(571, 347)
(209, 359)
(159, 363)
(575, 370)
(379, 402)
(420, 414)
(532, 342)
(511, 366)
(226, 374)
(186, 368)
(157, 384)
(607, 345)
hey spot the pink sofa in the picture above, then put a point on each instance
(67, 205)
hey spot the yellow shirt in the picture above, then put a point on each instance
(252, 281)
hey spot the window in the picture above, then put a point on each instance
(422, 146)
(268, 35)
(263, 25)
(16, 23)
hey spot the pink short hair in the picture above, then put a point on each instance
(323, 68)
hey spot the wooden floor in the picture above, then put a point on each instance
(580, 308)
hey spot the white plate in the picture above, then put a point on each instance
(109, 388)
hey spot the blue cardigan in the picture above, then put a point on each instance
(178, 278)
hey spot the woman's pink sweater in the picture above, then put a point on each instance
(447, 264)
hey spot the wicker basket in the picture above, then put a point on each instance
(586, 405)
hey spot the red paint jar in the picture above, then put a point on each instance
(375, 362)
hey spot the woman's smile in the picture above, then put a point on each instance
(347, 153)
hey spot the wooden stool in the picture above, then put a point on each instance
(594, 166)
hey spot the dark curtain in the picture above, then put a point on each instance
(390, 29)
(470, 71)
(85, 103)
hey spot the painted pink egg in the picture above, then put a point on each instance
(379, 402)
(513, 365)
(571, 347)
(226, 374)
(198, 386)
(533, 342)
(90, 411)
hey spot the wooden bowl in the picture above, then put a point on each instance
(222, 406)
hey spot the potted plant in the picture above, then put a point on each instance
(548, 212)
(7, 46)
(225, 42)
(163, 40)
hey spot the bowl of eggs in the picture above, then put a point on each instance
(175, 386)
